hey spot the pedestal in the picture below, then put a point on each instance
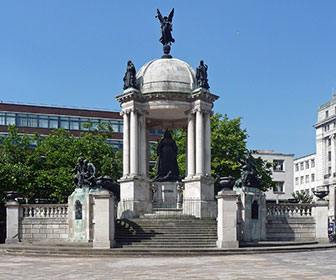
(227, 219)
(80, 215)
(104, 226)
(198, 197)
(252, 214)
(13, 215)
(135, 197)
(165, 195)
(320, 213)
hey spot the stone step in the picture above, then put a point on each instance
(167, 236)
(170, 246)
(136, 239)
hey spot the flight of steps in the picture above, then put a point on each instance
(184, 232)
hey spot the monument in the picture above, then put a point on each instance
(167, 94)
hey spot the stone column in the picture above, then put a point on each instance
(227, 219)
(13, 216)
(207, 144)
(134, 143)
(199, 142)
(126, 146)
(191, 145)
(333, 156)
(104, 228)
(143, 146)
(320, 213)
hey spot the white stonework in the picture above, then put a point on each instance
(282, 174)
(167, 98)
(325, 158)
(305, 176)
(12, 220)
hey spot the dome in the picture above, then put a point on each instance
(166, 75)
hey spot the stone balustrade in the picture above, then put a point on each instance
(289, 210)
(44, 210)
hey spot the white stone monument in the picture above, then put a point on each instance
(167, 98)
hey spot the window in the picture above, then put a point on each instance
(313, 177)
(296, 180)
(53, 122)
(10, 119)
(2, 119)
(74, 123)
(279, 187)
(296, 167)
(329, 141)
(64, 123)
(43, 122)
(326, 113)
(312, 163)
(301, 166)
(278, 165)
(329, 156)
(329, 171)
(307, 178)
(301, 180)
(307, 164)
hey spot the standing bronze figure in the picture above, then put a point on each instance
(130, 76)
(167, 167)
(202, 75)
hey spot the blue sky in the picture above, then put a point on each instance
(272, 62)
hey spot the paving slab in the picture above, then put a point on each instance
(294, 265)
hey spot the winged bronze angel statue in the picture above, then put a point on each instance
(166, 27)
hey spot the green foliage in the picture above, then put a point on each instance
(264, 170)
(45, 172)
(302, 197)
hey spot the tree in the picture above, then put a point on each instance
(45, 171)
(302, 197)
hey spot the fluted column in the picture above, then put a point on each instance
(199, 143)
(207, 144)
(191, 145)
(143, 146)
(126, 146)
(134, 143)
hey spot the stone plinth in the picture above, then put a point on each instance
(198, 197)
(80, 227)
(135, 197)
(227, 219)
(251, 214)
(13, 215)
(165, 195)
(104, 227)
(320, 214)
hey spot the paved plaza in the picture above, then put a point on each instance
(301, 265)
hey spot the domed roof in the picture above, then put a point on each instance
(166, 75)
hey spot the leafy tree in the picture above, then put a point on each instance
(45, 172)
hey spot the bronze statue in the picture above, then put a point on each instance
(167, 167)
(166, 28)
(249, 174)
(202, 75)
(130, 76)
(85, 174)
(79, 173)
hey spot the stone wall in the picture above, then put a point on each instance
(290, 222)
(290, 228)
(44, 222)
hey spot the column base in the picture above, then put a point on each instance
(227, 244)
(135, 197)
(198, 197)
(103, 244)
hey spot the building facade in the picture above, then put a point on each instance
(282, 174)
(305, 180)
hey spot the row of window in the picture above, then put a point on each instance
(304, 179)
(51, 122)
(305, 165)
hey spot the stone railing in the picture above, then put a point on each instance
(289, 210)
(44, 210)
